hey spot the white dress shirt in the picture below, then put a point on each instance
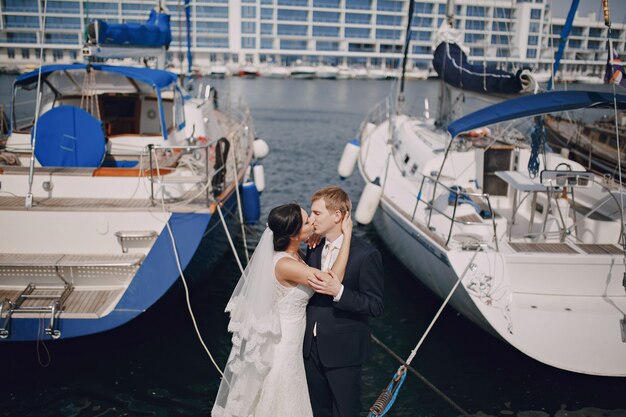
(329, 256)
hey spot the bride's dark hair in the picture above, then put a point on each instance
(285, 221)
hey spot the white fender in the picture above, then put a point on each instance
(259, 177)
(261, 148)
(368, 203)
(348, 159)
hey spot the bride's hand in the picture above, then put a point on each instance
(346, 224)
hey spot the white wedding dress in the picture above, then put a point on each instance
(266, 371)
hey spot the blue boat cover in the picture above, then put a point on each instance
(154, 77)
(154, 33)
(68, 136)
(534, 105)
(451, 64)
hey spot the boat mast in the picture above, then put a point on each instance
(564, 35)
(407, 40)
(444, 91)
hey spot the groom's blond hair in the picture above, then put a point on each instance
(334, 197)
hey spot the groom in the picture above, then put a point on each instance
(337, 337)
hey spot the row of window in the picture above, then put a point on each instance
(57, 54)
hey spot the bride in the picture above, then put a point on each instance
(264, 374)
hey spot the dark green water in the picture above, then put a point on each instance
(155, 366)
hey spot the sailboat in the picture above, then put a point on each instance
(534, 241)
(121, 179)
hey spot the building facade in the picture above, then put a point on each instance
(364, 33)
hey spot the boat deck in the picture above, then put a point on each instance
(565, 248)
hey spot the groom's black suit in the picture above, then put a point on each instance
(334, 357)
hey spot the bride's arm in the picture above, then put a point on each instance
(339, 268)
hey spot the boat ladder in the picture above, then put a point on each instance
(36, 299)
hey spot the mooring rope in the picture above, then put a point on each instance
(386, 399)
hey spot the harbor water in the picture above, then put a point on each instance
(155, 365)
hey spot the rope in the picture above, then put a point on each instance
(182, 277)
(538, 136)
(239, 206)
(421, 377)
(230, 240)
(619, 170)
(386, 399)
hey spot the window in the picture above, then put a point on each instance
(267, 14)
(21, 21)
(387, 34)
(136, 8)
(359, 4)
(533, 27)
(248, 27)
(476, 11)
(576, 31)
(499, 39)
(423, 8)
(299, 30)
(26, 53)
(422, 49)
(595, 45)
(326, 46)
(531, 53)
(212, 27)
(211, 11)
(69, 38)
(357, 32)
(595, 33)
(535, 14)
(574, 43)
(63, 7)
(358, 18)
(474, 37)
(502, 52)
(477, 52)
(294, 15)
(422, 22)
(267, 43)
(442, 9)
(475, 24)
(22, 38)
(302, 3)
(212, 42)
(386, 48)
(327, 3)
(20, 6)
(500, 27)
(533, 40)
(388, 20)
(326, 17)
(11, 53)
(360, 47)
(248, 43)
(62, 22)
(248, 11)
(389, 6)
(291, 44)
(502, 13)
(420, 35)
(101, 8)
(326, 31)
(57, 54)
(267, 28)
(615, 34)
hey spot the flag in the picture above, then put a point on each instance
(615, 70)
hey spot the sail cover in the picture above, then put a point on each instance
(534, 105)
(155, 32)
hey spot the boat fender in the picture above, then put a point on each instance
(251, 202)
(348, 159)
(368, 203)
(258, 173)
(261, 148)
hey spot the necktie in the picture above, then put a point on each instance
(327, 256)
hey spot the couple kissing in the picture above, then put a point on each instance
(299, 322)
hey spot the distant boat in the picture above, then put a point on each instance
(326, 72)
(593, 145)
(274, 71)
(217, 71)
(249, 71)
(302, 72)
(376, 74)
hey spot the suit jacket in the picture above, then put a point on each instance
(343, 335)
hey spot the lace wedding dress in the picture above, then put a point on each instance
(265, 375)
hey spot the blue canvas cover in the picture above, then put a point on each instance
(534, 105)
(154, 77)
(68, 136)
(451, 64)
(154, 33)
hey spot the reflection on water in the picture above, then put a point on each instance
(155, 366)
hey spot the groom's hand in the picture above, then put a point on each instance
(325, 283)
(313, 240)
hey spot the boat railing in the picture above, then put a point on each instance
(453, 219)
